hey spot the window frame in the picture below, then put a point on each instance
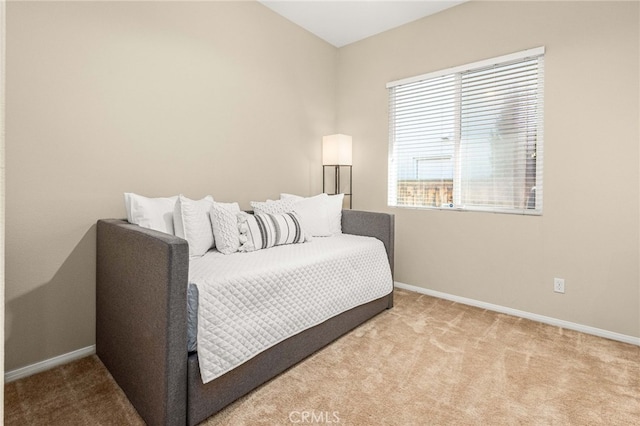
(392, 191)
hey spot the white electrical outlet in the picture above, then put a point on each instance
(558, 285)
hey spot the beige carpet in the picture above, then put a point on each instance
(425, 362)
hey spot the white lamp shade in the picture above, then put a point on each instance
(336, 150)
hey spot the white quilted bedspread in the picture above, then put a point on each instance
(249, 302)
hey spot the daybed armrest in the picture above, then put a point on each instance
(372, 224)
(141, 289)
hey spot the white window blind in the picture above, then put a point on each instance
(469, 137)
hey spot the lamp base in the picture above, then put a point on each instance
(334, 181)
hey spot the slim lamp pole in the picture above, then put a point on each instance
(336, 152)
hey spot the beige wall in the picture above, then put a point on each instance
(227, 99)
(2, 199)
(588, 233)
(232, 100)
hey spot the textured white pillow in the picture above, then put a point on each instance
(261, 231)
(333, 205)
(191, 221)
(152, 213)
(225, 226)
(272, 206)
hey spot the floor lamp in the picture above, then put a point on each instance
(336, 155)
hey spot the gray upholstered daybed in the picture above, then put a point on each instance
(142, 278)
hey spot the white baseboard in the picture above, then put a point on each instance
(523, 314)
(47, 364)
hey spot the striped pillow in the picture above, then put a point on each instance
(261, 231)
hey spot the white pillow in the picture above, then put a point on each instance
(191, 221)
(313, 215)
(225, 226)
(152, 213)
(261, 231)
(285, 196)
(334, 211)
(333, 205)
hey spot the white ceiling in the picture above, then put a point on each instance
(344, 22)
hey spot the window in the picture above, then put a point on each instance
(470, 137)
